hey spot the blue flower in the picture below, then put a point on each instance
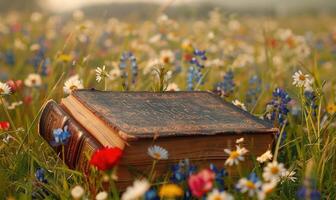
(151, 195)
(181, 171)
(195, 75)
(219, 175)
(128, 56)
(10, 58)
(277, 109)
(61, 136)
(305, 193)
(227, 86)
(254, 90)
(311, 100)
(40, 175)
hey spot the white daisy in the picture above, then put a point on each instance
(273, 171)
(266, 189)
(100, 73)
(173, 87)
(167, 56)
(246, 185)
(114, 73)
(102, 195)
(235, 156)
(239, 104)
(288, 176)
(4, 89)
(217, 195)
(302, 80)
(33, 80)
(158, 152)
(136, 191)
(265, 157)
(240, 140)
(77, 192)
(73, 83)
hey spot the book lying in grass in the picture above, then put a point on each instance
(191, 125)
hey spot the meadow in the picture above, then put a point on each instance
(281, 69)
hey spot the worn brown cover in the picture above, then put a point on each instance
(194, 125)
(145, 114)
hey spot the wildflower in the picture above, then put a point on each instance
(277, 109)
(235, 156)
(72, 84)
(201, 182)
(331, 108)
(157, 152)
(239, 104)
(77, 192)
(170, 191)
(265, 157)
(288, 176)
(33, 80)
(250, 185)
(128, 56)
(4, 125)
(64, 58)
(14, 85)
(219, 175)
(311, 99)
(266, 189)
(151, 195)
(173, 87)
(195, 70)
(106, 158)
(219, 195)
(114, 73)
(182, 171)
(102, 195)
(226, 87)
(61, 136)
(273, 171)
(240, 140)
(305, 193)
(302, 80)
(40, 176)
(254, 89)
(4, 89)
(137, 190)
(167, 56)
(101, 73)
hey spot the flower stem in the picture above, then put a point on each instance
(7, 113)
(151, 174)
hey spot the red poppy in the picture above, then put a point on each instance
(106, 158)
(15, 85)
(201, 183)
(4, 125)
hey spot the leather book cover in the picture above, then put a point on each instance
(149, 114)
(53, 117)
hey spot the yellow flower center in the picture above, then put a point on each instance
(166, 59)
(302, 77)
(2, 91)
(73, 87)
(234, 155)
(275, 170)
(250, 185)
(217, 198)
(157, 156)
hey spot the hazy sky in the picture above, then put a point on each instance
(62, 5)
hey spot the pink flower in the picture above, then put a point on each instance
(201, 183)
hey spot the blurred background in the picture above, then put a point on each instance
(176, 8)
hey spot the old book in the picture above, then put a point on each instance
(193, 125)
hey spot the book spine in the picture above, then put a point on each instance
(80, 144)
